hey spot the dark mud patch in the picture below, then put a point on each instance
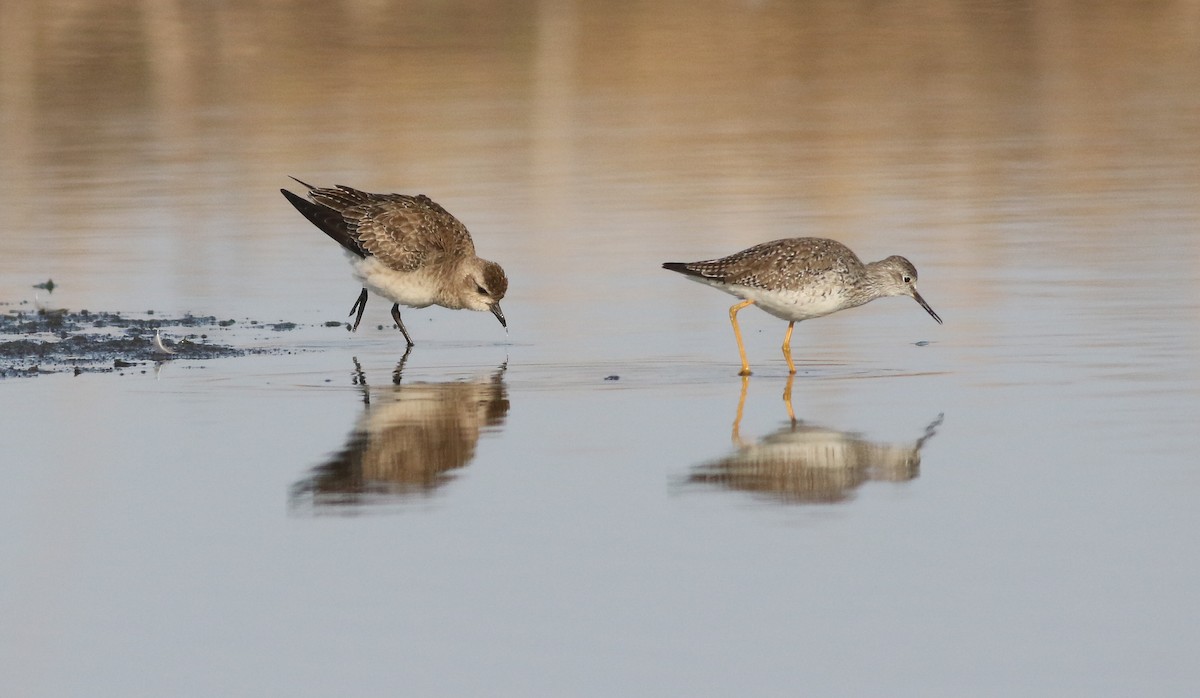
(37, 341)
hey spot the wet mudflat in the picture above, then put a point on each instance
(39, 341)
(594, 503)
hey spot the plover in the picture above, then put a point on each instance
(405, 248)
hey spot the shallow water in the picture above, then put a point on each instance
(594, 503)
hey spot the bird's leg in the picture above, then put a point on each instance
(360, 305)
(736, 436)
(360, 379)
(398, 372)
(787, 399)
(787, 351)
(737, 333)
(396, 317)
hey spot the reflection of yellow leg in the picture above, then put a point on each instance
(787, 399)
(787, 349)
(738, 334)
(737, 421)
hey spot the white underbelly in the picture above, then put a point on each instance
(412, 289)
(792, 305)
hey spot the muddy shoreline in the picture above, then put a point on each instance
(36, 341)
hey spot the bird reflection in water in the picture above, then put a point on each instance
(805, 463)
(409, 439)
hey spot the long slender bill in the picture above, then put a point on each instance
(917, 297)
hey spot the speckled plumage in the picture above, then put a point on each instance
(407, 249)
(792, 263)
(802, 278)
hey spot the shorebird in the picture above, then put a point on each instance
(158, 345)
(799, 279)
(405, 248)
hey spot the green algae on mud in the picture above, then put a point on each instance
(60, 341)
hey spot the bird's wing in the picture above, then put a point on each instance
(778, 264)
(328, 219)
(407, 232)
(404, 232)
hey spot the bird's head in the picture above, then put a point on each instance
(484, 287)
(898, 277)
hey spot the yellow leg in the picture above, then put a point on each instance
(787, 349)
(737, 421)
(787, 399)
(737, 333)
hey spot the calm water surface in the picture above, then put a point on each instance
(594, 503)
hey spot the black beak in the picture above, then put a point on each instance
(500, 315)
(917, 297)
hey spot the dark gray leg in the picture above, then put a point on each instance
(360, 305)
(396, 317)
(398, 372)
(360, 379)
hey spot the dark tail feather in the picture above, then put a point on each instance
(328, 220)
(681, 267)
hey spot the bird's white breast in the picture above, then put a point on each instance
(789, 304)
(410, 289)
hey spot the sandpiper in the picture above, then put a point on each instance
(799, 279)
(405, 248)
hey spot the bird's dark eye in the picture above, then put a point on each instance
(907, 279)
(481, 290)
